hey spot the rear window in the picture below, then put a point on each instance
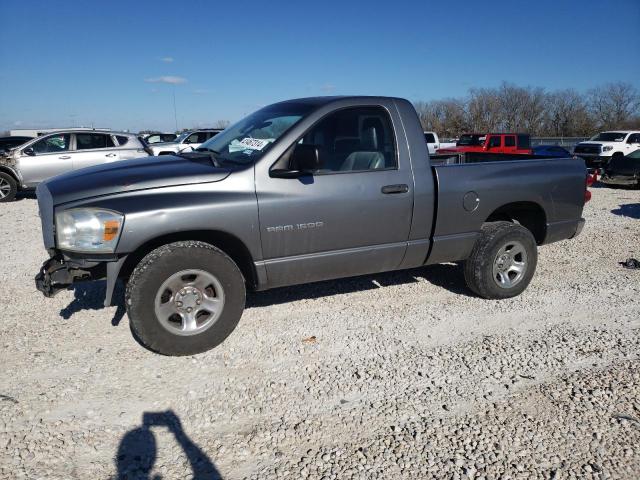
(122, 140)
(88, 141)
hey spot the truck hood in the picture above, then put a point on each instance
(131, 175)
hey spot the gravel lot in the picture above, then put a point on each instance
(399, 375)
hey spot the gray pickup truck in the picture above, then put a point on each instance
(299, 191)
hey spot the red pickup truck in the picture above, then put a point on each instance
(518, 143)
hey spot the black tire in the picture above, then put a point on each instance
(163, 263)
(9, 187)
(479, 267)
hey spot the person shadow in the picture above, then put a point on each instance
(137, 451)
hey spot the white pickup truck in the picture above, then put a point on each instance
(433, 142)
(601, 148)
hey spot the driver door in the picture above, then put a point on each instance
(350, 217)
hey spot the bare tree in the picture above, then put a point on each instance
(532, 110)
(221, 124)
(483, 110)
(567, 114)
(614, 104)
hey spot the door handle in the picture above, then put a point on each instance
(400, 188)
(111, 154)
(65, 157)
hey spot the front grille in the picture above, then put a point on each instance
(590, 148)
(45, 208)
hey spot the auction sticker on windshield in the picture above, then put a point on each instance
(254, 143)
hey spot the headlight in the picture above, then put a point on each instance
(606, 148)
(88, 230)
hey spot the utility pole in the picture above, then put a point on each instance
(175, 114)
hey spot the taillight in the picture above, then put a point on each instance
(588, 181)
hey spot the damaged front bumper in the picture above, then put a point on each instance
(60, 272)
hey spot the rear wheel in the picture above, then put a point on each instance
(185, 298)
(8, 187)
(502, 261)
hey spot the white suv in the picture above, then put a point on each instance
(607, 145)
(186, 142)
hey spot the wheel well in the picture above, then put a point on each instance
(228, 243)
(8, 171)
(528, 214)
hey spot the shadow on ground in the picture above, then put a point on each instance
(26, 195)
(448, 276)
(631, 210)
(138, 450)
(90, 295)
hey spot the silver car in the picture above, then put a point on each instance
(24, 167)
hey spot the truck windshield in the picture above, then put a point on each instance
(609, 137)
(250, 138)
(470, 140)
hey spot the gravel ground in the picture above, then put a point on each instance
(399, 375)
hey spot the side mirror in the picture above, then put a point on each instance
(304, 160)
(29, 151)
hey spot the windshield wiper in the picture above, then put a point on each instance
(211, 153)
(206, 149)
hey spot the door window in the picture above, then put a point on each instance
(634, 138)
(354, 139)
(429, 138)
(89, 141)
(52, 144)
(510, 141)
(197, 137)
(494, 142)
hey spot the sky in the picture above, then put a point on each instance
(118, 64)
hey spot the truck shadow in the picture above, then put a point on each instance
(448, 276)
(90, 295)
(137, 452)
(631, 210)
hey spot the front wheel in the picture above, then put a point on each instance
(8, 187)
(185, 298)
(502, 262)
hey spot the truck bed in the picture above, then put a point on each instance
(485, 187)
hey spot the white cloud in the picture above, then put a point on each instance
(327, 88)
(167, 59)
(171, 80)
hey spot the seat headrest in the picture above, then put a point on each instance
(371, 134)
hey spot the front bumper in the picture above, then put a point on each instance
(620, 180)
(592, 160)
(57, 274)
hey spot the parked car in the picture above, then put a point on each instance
(7, 143)
(43, 157)
(623, 170)
(152, 138)
(517, 143)
(434, 143)
(552, 151)
(607, 145)
(281, 199)
(186, 142)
